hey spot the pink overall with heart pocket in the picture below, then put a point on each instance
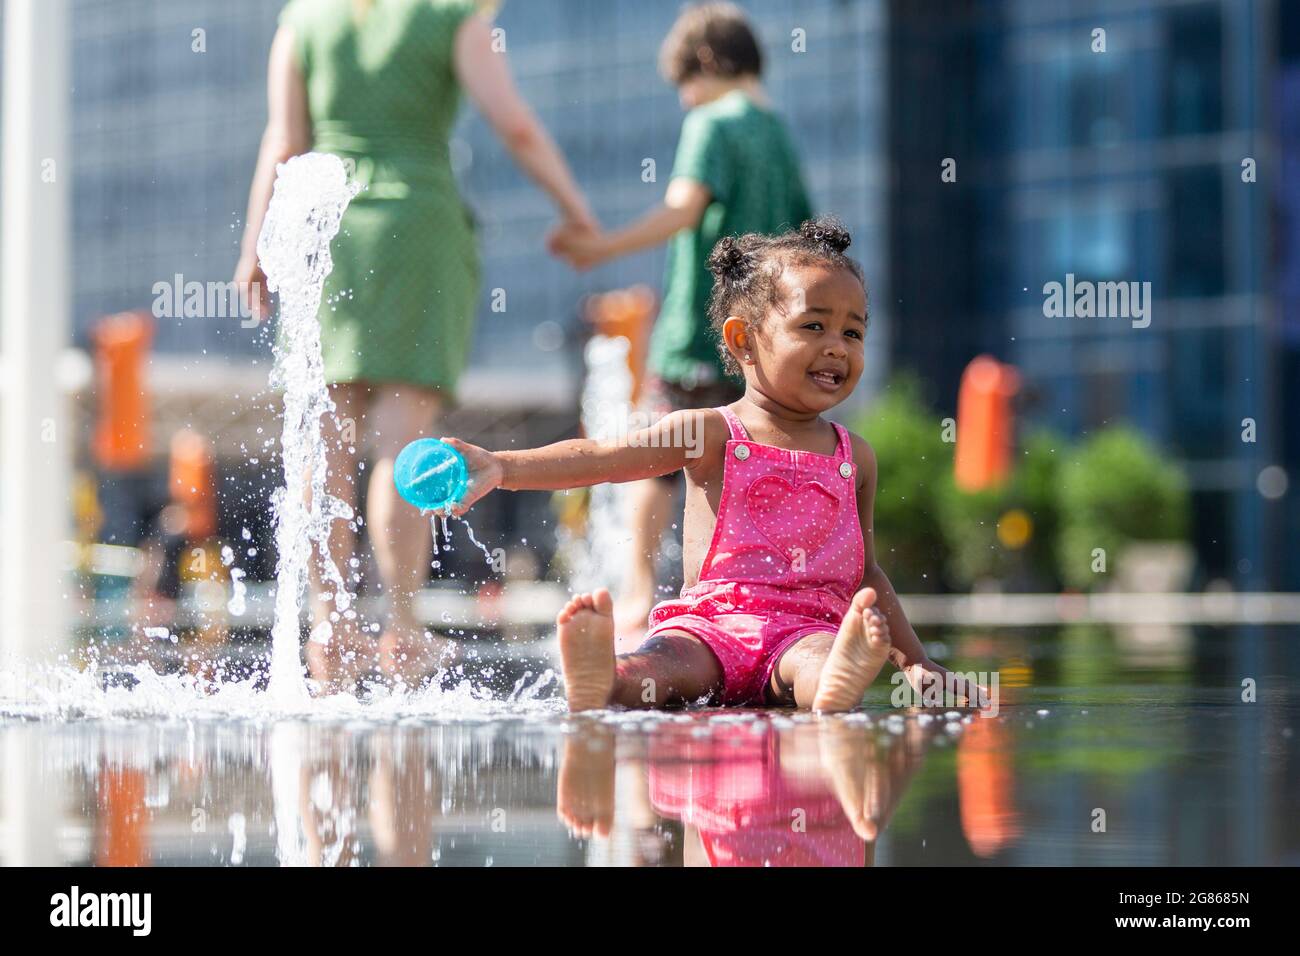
(785, 559)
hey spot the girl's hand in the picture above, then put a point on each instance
(485, 473)
(251, 283)
(926, 674)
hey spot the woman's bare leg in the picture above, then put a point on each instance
(338, 660)
(672, 668)
(399, 534)
(404, 795)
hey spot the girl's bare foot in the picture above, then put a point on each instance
(584, 794)
(860, 650)
(852, 764)
(869, 779)
(586, 635)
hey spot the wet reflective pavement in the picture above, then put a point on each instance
(1146, 746)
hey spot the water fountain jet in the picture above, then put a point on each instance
(311, 193)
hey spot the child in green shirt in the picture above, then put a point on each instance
(735, 172)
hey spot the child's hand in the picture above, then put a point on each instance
(485, 473)
(579, 243)
(924, 674)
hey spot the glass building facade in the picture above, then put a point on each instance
(1126, 165)
(1140, 143)
(166, 123)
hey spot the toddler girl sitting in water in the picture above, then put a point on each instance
(784, 602)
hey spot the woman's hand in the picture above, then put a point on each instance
(251, 282)
(485, 473)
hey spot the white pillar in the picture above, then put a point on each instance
(35, 446)
(36, 452)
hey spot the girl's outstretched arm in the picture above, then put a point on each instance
(676, 441)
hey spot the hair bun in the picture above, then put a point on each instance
(827, 231)
(728, 260)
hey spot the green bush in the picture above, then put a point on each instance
(912, 462)
(970, 521)
(1115, 489)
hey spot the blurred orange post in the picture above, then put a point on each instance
(985, 788)
(627, 313)
(985, 423)
(122, 815)
(121, 441)
(193, 483)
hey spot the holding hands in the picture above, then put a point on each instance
(581, 243)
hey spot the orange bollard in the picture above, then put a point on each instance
(193, 483)
(121, 830)
(121, 440)
(985, 424)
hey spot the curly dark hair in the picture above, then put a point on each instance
(712, 38)
(746, 269)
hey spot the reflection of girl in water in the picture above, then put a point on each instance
(747, 794)
(745, 808)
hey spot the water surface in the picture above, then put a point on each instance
(1128, 746)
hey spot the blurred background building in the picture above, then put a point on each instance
(1119, 165)
(1122, 165)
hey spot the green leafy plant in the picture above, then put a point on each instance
(912, 462)
(970, 522)
(1110, 491)
(1114, 490)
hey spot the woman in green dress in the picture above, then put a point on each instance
(378, 83)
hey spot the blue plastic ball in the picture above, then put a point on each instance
(430, 474)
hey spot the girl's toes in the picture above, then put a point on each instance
(571, 608)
